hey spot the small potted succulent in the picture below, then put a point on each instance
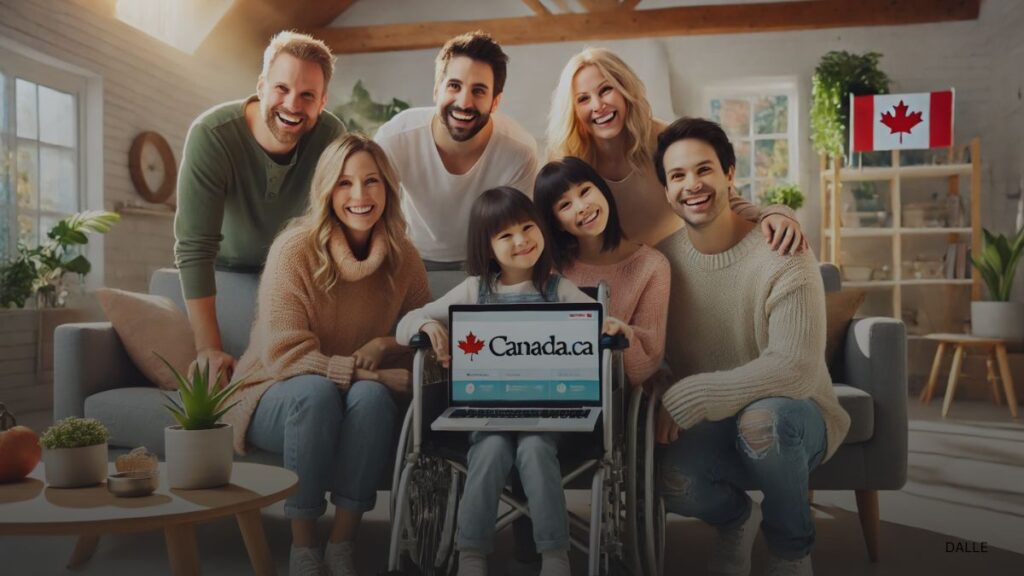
(75, 452)
(198, 449)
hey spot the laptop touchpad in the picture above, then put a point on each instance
(524, 422)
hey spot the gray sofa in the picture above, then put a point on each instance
(94, 377)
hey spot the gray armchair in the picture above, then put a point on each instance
(871, 382)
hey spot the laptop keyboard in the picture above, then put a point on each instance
(519, 413)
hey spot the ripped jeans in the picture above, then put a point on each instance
(771, 445)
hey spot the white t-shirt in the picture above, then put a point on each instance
(436, 202)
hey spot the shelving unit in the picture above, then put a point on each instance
(835, 236)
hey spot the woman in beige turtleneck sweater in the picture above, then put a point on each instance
(317, 391)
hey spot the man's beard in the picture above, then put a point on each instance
(464, 134)
(282, 136)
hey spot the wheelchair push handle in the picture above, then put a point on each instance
(419, 340)
(616, 342)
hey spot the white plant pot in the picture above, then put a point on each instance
(76, 467)
(998, 319)
(198, 458)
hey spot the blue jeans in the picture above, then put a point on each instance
(333, 440)
(771, 445)
(491, 457)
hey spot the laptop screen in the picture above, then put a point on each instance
(525, 354)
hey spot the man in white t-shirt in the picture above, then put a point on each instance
(448, 155)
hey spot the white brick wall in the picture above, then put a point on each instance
(146, 86)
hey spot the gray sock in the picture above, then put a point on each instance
(472, 563)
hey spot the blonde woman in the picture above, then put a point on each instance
(319, 369)
(600, 113)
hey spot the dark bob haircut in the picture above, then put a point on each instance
(492, 212)
(554, 179)
(699, 129)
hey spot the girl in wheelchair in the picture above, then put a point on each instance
(508, 262)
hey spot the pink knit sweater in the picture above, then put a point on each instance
(299, 329)
(639, 290)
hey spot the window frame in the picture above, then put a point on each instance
(18, 61)
(750, 89)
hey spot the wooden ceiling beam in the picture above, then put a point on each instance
(538, 8)
(682, 21)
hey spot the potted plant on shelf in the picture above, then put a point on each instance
(839, 74)
(75, 452)
(198, 450)
(784, 194)
(997, 265)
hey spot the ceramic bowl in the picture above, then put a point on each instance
(132, 484)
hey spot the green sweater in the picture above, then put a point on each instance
(233, 198)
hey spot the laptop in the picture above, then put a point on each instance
(524, 367)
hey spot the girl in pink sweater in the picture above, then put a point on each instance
(588, 246)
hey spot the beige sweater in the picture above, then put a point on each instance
(744, 325)
(638, 289)
(299, 329)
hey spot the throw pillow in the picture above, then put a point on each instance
(149, 325)
(839, 310)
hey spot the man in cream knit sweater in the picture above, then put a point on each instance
(746, 333)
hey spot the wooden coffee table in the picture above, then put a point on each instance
(30, 507)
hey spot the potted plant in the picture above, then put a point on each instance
(75, 452)
(785, 194)
(40, 270)
(997, 265)
(198, 449)
(839, 74)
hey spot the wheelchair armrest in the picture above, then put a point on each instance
(616, 342)
(419, 340)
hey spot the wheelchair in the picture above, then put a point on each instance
(616, 465)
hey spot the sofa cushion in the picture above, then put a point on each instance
(134, 416)
(839, 310)
(236, 303)
(861, 408)
(149, 325)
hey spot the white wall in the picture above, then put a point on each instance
(974, 57)
(146, 85)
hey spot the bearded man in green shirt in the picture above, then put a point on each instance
(245, 172)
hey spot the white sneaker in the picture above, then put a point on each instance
(338, 557)
(730, 555)
(781, 567)
(305, 562)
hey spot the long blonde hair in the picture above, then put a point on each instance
(320, 219)
(566, 137)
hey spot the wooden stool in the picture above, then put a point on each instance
(996, 349)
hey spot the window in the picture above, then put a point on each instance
(761, 123)
(42, 178)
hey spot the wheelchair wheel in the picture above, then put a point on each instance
(434, 493)
(650, 508)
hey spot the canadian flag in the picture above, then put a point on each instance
(901, 121)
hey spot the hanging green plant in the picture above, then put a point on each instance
(838, 74)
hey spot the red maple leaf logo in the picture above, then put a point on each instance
(471, 345)
(901, 122)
